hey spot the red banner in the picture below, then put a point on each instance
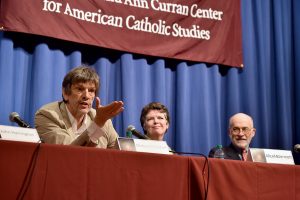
(195, 30)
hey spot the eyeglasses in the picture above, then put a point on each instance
(237, 130)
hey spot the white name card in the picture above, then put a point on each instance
(140, 145)
(19, 134)
(271, 156)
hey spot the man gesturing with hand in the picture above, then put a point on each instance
(73, 121)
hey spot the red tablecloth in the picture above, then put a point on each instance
(68, 172)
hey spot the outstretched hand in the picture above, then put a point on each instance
(104, 113)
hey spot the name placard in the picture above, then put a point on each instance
(271, 156)
(140, 145)
(19, 134)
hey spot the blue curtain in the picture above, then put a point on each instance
(200, 97)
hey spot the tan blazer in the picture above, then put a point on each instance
(54, 126)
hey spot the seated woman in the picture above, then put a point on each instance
(155, 120)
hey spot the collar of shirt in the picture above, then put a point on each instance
(73, 121)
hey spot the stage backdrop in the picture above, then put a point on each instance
(201, 97)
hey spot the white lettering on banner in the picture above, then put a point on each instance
(194, 11)
(161, 28)
(204, 13)
(197, 23)
(137, 3)
(145, 26)
(94, 17)
(115, 1)
(194, 32)
(52, 6)
(132, 3)
(170, 7)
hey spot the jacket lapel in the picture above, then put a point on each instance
(232, 153)
(65, 116)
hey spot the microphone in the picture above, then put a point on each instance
(14, 117)
(136, 133)
(297, 148)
